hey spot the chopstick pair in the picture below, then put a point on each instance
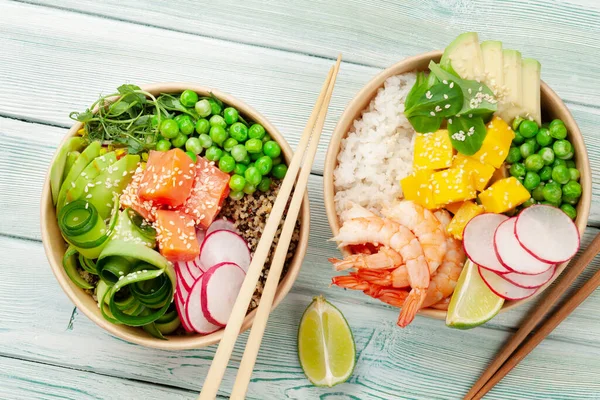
(520, 345)
(312, 134)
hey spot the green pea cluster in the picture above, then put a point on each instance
(542, 158)
(245, 152)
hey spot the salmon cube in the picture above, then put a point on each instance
(176, 235)
(129, 198)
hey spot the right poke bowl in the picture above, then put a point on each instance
(457, 184)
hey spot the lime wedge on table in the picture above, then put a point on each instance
(325, 344)
(472, 303)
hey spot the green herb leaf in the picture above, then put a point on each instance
(418, 89)
(440, 100)
(84, 116)
(478, 99)
(466, 134)
(172, 103)
(425, 124)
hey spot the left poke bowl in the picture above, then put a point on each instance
(153, 206)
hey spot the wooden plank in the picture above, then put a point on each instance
(424, 360)
(27, 380)
(379, 33)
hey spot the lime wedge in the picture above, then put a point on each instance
(472, 303)
(325, 344)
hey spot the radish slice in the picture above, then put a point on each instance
(512, 255)
(504, 288)
(193, 310)
(221, 224)
(200, 235)
(225, 246)
(195, 268)
(183, 273)
(478, 241)
(547, 233)
(181, 291)
(180, 300)
(529, 281)
(220, 287)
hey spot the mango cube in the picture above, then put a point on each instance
(504, 195)
(467, 211)
(454, 207)
(433, 151)
(496, 144)
(417, 187)
(480, 173)
(452, 185)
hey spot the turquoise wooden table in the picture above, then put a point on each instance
(58, 56)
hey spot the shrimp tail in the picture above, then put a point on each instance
(412, 304)
(350, 282)
(382, 278)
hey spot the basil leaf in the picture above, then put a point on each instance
(466, 134)
(478, 99)
(425, 124)
(440, 100)
(418, 89)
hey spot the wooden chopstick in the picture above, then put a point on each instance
(266, 300)
(221, 359)
(508, 358)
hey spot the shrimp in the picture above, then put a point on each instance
(442, 304)
(398, 238)
(426, 227)
(385, 258)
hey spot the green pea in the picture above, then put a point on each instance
(205, 140)
(169, 128)
(569, 210)
(570, 200)
(213, 153)
(558, 131)
(237, 183)
(516, 122)
(555, 122)
(266, 138)
(547, 155)
(215, 107)
(240, 169)
(163, 145)
(236, 195)
(226, 163)
(254, 146)
(558, 161)
(256, 131)
(572, 189)
(519, 139)
(574, 173)
(277, 161)
(265, 184)
(264, 165)
(552, 192)
(229, 143)
(571, 164)
(551, 203)
(180, 140)
(154, 120)
(568, 156)
(528, 203)
(514, 155)
(218, 134)
(562, 148)
(546, 173)
(538, 192)
(534, 143)
(253, 175)
(249, 189)
(186, 126)
(280, 170)
(528, 129)
(246, 160)
(217, 120)
(203, 108)
(543, 137)
(561, 174)
(202, 126)
(532, 180)
(517, 170)
(230, 115)
(272, 149)
(193, 156)
(527, 149)
(239, 152)
(188, 98)
(239, 132)
(194, 145)
(534, 162)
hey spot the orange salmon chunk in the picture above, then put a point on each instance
(176, 235)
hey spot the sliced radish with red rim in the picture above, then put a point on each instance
(504, 288)
(225, 246)
(547, 233)
(221, 224)
(220, 287)
(183, 273)
(478, 241)
(195, 268)
(512, 255)
(193, 310)
(530, 281)
(180, 307)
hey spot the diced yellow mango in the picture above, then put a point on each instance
(454, 207)
(417, 187)
(433, 151)
(500, 173)
(504, 195)
(480, 172)
(467, 211)
(496, 144)
(452, 185)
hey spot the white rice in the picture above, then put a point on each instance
(378, 151)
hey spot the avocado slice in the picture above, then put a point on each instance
(88, 176)
(493, 62)
(510, 106)
(57, 171)
(86, 157)
(463, 57)
(530, 74)
(72, 156)
(113, 179)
